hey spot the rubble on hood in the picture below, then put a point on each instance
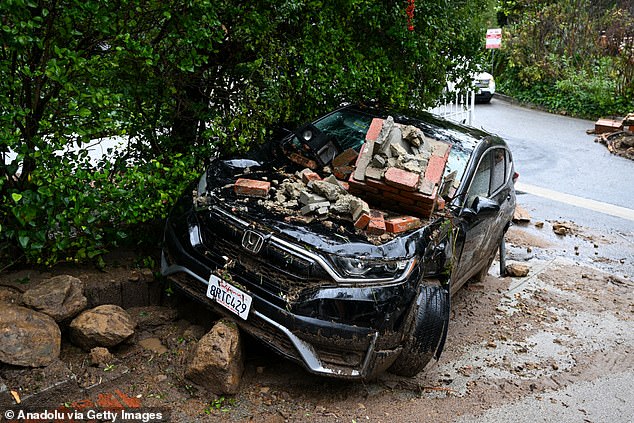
(397, 170)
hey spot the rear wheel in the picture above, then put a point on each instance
(428, 332)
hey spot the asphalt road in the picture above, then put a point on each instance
(553, 154)
(565, 175)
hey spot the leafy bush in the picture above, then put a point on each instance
(553, 56)
(76, 214)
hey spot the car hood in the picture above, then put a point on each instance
(333, 235)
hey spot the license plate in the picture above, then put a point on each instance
(228, 296)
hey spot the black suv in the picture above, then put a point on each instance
(339, 245)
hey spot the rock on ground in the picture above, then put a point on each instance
(61, 297)
(517, 270)
(100, 356)
(27, 337)
(102, 326)
(217, 363)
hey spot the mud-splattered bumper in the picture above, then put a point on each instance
(301, 329)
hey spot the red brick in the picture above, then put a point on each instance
(252, 188)
(376, 226)
(435, 169)
(397, 225)
(345, 158)
(343, 172)
(302, 161)
(362, 221)
(360, 187)
(375, 129)
(381, 186)
(402, 179)
(308, 175)
(108, 401)
(399, 197)
(129, 402)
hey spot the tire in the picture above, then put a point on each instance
(427, 334)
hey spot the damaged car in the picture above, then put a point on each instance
(340, 244)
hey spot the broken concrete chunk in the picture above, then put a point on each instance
(252, 188)
(412, 135)
(386, 129)
(343, 204)
(333, 180)
(309, 208)
(328, 190)
(378, 161)
(372, 172)
(358, 207)
(398, 150)
(365, 156)
(307, 197)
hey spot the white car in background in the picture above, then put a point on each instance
(484, 87)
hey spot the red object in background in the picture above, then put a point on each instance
(410, 14)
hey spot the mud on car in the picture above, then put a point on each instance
(339, 245)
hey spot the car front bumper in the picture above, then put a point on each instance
(300, 329)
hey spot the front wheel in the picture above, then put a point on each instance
(427, 335)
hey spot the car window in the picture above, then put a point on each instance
(481, 180)
(346, 127)
(498, 174)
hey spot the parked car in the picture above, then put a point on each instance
(336, 263)
(484, 86)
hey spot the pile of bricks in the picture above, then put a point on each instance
(397, 170)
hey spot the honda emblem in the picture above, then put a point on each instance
(252, 241)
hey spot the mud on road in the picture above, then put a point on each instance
(569, 322)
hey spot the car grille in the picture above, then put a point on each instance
(274, 269)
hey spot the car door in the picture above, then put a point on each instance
(482, 219)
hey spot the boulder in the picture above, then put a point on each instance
(102, 326)
(61, 297)
(27, 337)
(217, 362)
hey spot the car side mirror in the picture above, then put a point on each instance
(481, 207)
(485, 207)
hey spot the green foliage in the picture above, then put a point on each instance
(178, 81)
(554, 56)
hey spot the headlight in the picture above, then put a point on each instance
(372, 269)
